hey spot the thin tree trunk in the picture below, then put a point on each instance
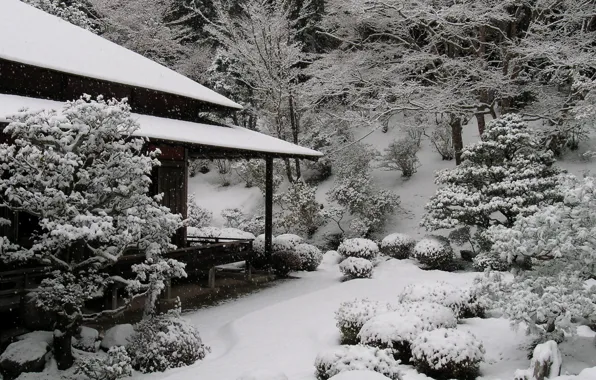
(64, 330)
(295, 130)
(483, 95)
(289, 170)
(481, 123)
(456, 136)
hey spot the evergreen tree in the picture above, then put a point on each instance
(504, 175)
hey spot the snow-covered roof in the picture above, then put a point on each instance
(33, 37)
(233, 137)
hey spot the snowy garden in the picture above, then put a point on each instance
(402, 190)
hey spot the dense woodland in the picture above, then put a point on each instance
(319, 73)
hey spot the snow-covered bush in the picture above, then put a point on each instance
(356, 267)
(258, 245)
(507, 173)
(310, 256)
(165, 341)
(401, 155)
(233, 217)
(197, 216)
(286, 242)
(253, 173)
(116, 365)
(398, 246)
(352, 315)
(489, 260)
(441, 138)
(463, 301)
(346, 358)
(255, 224)
(434, 252)
(198, 166)
(284, 262)
(432, 314)
(358, 247)
(546, 363)
(394, 330)
(448, 354)
(300, 211)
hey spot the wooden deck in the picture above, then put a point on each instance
(203, 256)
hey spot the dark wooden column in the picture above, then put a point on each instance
(268, 208)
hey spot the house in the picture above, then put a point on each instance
(45, 60)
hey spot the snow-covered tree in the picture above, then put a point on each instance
(301, 212)
(401, 155)
(83, 175)
(76, 12)
(198, 216)
(504, 175)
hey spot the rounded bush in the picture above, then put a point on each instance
(434, 252)
(356, 267)
(398, 246)
(258, 245)
(432, 314)
(286, 242)
(462, 301)
(284, 262)
(358, 247)
(490, 261)
(310, 256)
(395, 331)
(447, 354)
(359, 375)
(352, 315)
(347, 358)
(165, 341)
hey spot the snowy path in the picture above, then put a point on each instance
(284, 327)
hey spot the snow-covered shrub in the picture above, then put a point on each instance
(253, 173)
(432, 314)
(507, 172)
(255, 224)
(358, 247)
(198, 166)
(258, 245)
(197, 216)
(434, 252)
(394, 330)
(356, 267)
(233, 217)
(352, 315)
(463, 301)
(310, 256)
(284, 262)
(447, 354)
(398, 246)
(116, 365)
(286, 242)
(165, 341)
(546, 363)
(401, 155)
(300, 211)
(346, 358)
(489, 260)
(441, 138)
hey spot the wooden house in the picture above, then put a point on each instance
(45, 60)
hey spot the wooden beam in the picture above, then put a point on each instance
(268, 208)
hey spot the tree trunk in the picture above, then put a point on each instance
(289, 170)
(456, 136)
(481, 123)
(295, 130)
(63, 333)
(483, 95)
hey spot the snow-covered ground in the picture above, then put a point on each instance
(283, 328)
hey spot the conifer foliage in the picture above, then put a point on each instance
(504, 175)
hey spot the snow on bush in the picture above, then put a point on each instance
(398, 246)
(432, 314)
(394, 330)
(352, 315)
(284, 262)
(118, 335)
(197, 216)
(546, 363)
(347, 358)
(462, 301)
(310, 256)
(116, 365)
(356, 267)
(258, 245)
(434, 252)
(286, 242)
(447, 354)
(488, 260)
(358, 247)
(165, 341)
(263, 374)
(359, 375)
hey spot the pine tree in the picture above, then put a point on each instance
(504, 175)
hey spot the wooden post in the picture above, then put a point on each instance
(268, 209)
(211, 281)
